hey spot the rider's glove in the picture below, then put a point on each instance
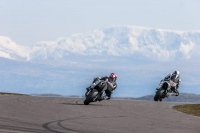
(106, 80)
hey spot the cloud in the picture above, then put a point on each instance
(5, 55)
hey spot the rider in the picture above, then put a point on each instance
(112, 85)
(175, 77)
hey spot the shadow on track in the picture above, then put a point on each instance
(82, 104)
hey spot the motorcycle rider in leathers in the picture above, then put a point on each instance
(112, 85)
(175, 77)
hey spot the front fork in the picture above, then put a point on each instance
(88, 92)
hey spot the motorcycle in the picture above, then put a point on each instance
(96, 92)
(165, 90)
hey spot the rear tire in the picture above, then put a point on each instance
(90, 97)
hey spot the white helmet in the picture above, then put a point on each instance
(176, 74)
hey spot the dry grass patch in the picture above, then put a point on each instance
(193, 109)
(11, 94)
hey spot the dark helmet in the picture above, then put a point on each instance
(113, 76)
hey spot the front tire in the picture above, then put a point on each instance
(158, 95)
(91, 97)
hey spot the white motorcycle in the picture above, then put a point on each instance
(165, 89)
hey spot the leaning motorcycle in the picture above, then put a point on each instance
(165, 90)
(95, 93)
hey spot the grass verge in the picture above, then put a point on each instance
(193, 109)
(12, 94)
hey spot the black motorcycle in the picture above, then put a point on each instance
(166, 89)
(94, 94)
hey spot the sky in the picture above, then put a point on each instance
(30, 21)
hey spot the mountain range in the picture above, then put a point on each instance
(156, 44)
(140, 57)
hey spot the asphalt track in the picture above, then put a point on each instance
(27, 114)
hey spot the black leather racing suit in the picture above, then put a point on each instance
(112, 85)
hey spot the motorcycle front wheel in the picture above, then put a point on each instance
(91, 97)
(158, 95)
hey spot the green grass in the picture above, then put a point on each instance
(193, 109)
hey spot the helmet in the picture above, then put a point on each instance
(175, 74)
(113, 76)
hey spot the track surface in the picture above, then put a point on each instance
(26, 114)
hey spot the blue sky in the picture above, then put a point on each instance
(30, 21)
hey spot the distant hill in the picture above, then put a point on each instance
(6, 93)
(183, 97)
(47, 95)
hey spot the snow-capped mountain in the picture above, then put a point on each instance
(11, 50)
(128, 41)
(140, 57)
(156, 44)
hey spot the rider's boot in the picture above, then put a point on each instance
(103, 98)
(167, 95)
(176, 91)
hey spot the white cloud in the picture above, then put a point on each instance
(5, 55)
